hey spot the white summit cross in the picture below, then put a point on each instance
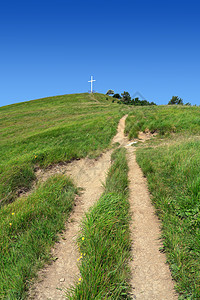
(92, 80)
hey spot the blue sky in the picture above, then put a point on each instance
(51, 48)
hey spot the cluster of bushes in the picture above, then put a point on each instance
(125, 98)
(177, 101)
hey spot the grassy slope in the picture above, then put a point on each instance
(40, 133)
(104, 241)
(28, 229)
(164, 119)
(172, 167)
(50, 130)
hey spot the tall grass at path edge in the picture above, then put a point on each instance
(104, 240)
(28, 229)
(171, 163)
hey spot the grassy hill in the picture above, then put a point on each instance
(46, 131)
(36, 134)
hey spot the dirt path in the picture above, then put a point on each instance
(151, 277)
(88, 174)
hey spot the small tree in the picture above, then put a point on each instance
(110, 92)
(117, 96)
(126, 98)
(175, 100)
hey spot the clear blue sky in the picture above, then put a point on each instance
(51, 47)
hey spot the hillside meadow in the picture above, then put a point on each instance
(37, 134)
(40, 133)
(51, 130)
(171, 163)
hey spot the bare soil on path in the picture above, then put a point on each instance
(89, 174)
(151, 278)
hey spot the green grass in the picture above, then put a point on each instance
(28, 229)
(47, 131)
(104, 240)
(164, 120)
(36, 134)
(171, 163)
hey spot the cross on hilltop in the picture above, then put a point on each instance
(92, 80)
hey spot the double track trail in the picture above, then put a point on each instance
(151, 278)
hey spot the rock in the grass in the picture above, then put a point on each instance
(62, 279)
